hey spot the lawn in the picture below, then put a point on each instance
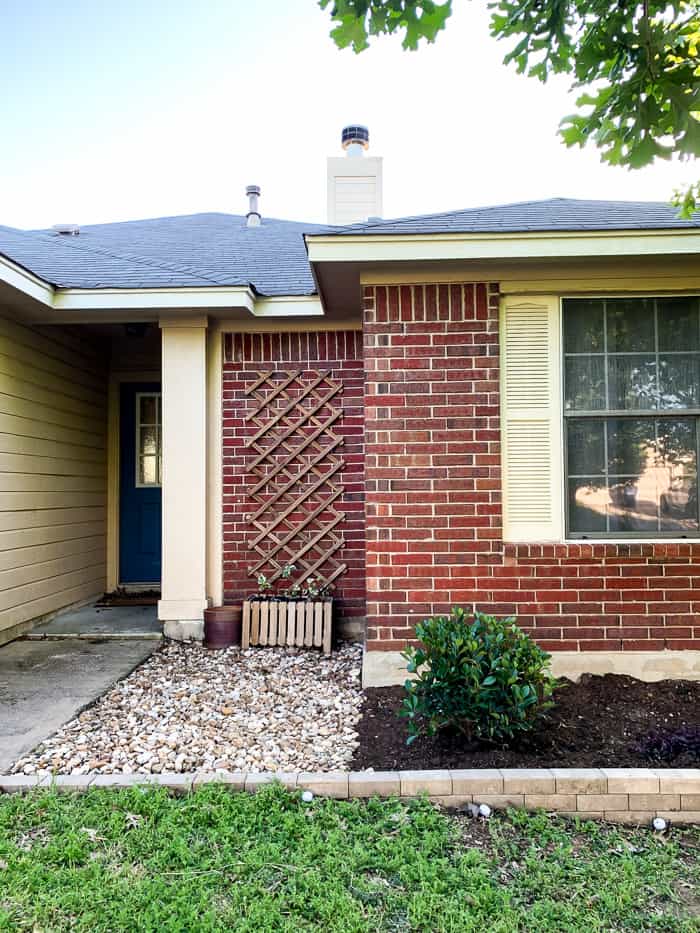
(136, 859)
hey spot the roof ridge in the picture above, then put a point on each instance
(167, 217)
(490, 207)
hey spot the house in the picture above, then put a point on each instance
(495, 407)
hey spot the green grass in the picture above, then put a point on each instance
(140, 860)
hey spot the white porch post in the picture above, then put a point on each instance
(184, 387)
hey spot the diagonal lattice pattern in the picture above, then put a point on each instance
(295, 462)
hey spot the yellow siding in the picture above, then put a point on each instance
(53, 473)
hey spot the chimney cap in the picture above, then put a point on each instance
(355, 135)
(252, 189)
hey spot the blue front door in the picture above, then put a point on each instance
(140, 483)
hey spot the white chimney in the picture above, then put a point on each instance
(253, 215)
(355, 180)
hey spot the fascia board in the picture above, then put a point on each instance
(419, 248)
(289, 306)
(140, 299)
(26, 282)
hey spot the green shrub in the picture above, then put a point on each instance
(481, 675)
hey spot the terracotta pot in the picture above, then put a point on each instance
(222, 627)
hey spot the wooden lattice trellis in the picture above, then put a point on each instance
(297, 475)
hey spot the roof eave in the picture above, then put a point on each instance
(512, 245)
(54, 302)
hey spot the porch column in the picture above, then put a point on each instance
(184, 387)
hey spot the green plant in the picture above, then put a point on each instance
(305, 589)
(481, 675)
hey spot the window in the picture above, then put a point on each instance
(632, 413)
(149, 459)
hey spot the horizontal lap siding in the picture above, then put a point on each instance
(433, 497)
(244, 356)
(53, 416)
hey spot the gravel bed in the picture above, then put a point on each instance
(186, 708)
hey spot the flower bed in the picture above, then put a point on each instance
(598, 722)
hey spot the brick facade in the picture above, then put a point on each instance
(245, 356)
(433, 497)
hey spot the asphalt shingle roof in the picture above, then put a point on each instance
(194, 250)
(553, 215)
(200, 250)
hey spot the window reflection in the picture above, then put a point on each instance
(648, 482)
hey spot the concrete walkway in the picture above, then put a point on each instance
(102, 622)
(44, 683)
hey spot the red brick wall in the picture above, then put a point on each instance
(245, 356)
(433, 503)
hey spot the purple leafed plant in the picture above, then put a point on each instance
(669, 744)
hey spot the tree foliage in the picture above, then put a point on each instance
(635, 66)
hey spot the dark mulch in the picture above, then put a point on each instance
(596, 723)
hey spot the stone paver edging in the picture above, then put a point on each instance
(622, 795)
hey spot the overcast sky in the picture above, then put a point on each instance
(144, 108)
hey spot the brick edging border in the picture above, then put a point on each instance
(621, 795)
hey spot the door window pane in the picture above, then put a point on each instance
(148, 409)
(148, 439)
(148, 474)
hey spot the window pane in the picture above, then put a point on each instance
(588, 505)
(583, 326)
(633, 506)
(585, 383)
(677, 476)
(586, 447)
(148, 412)
(148, 471)
(148, 441)
(630, 325)
(631, 446)
(679, 378)
(632, 382)
(679, 323)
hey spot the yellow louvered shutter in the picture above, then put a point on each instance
(531, 419)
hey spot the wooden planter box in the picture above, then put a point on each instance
(300, 623)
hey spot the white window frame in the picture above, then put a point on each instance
(159, 440)
(567, 538)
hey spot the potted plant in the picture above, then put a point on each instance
(222, 626)
(298, 615)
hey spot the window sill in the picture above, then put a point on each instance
(693, 540)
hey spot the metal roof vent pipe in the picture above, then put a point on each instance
(253, 216)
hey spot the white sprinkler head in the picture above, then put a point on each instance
(659, 824)
(484, 810)
(307, 796)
